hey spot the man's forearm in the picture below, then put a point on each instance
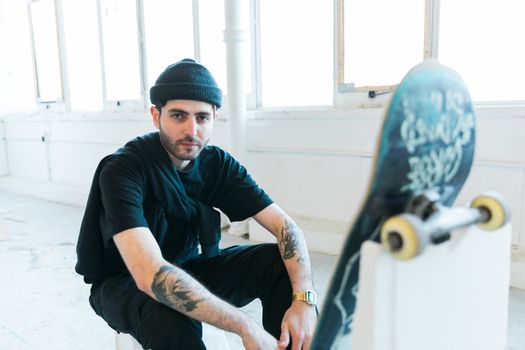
(178, 290)
(292, 246)
(175, 288)
(299, 320)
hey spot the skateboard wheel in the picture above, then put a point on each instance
(402, 236)
(496, 209)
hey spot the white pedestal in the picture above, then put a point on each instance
(238, 228)
(454, 296)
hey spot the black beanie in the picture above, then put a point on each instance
(186, 80)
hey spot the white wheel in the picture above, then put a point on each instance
(402, 236)
(498, 213)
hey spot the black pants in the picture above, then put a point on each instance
(238, 275)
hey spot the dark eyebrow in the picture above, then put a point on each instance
(203, 114)
(183, 112)
(176, 110)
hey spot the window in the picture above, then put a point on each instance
(45, 45)
(483, 41)
(83, 54)
(383, 39)
(121, 50)
(211, 39)
(93, 55)
(17, 82)
(169, 34)
(296, 52)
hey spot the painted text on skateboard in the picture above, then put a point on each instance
(453, 129)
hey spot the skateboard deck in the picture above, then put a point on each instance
(426, 143)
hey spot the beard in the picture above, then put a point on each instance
(178, 150)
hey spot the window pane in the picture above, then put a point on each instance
(83, 54)
(169, 34)
(212, 47)
(17, 83)
(383, 40)
(121, 51)
(296, 52)
(46, 51)
(483, 41)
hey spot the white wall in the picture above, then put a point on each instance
(4, 170)
(314, 163)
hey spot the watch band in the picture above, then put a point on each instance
(308, 296)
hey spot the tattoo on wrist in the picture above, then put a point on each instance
(172, 291)
(288, 243)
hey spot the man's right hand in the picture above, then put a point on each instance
(254, 337)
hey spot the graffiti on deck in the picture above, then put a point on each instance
(453, 130)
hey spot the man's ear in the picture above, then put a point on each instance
(155, 113)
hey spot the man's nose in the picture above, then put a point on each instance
(191, 126)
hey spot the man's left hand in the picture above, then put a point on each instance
(298, 326)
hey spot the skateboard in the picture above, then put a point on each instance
(423, 157)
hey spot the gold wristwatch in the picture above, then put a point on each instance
(308, 296)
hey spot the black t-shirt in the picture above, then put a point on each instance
(129, 198)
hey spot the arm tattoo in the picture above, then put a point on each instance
(288, 241)
(172, 291)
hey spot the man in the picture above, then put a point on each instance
(150, 206)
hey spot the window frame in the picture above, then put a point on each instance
(134, 105)
(348, 94)
(253, 67)
(345, 95)
(253, 98)
(61, 104)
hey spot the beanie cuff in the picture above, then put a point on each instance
(161, 93)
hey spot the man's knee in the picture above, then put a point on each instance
(166, 329)
(269, 254)
(275, 275)
(154, 325)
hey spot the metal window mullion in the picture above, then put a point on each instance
(431, 44)
(196, 31)
(339, 51)
(101, 51)
(62, 58)
(142, 53)
(339, 47)
(256, 53)
(251, 98)
(33, 53)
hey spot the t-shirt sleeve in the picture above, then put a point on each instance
(240, 197)
(122, 188)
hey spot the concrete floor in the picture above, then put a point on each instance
(43, 302)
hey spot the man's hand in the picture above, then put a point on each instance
(254, 337)
(299, 320)
(298, 326)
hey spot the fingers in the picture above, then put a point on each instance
(307, 343)
(297, 330)
(284, 340)
(297, 341)
(300, 341)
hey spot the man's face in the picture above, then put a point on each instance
(185, 128)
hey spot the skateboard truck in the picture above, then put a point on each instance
(426, 220)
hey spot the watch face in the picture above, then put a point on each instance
(311, 298)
